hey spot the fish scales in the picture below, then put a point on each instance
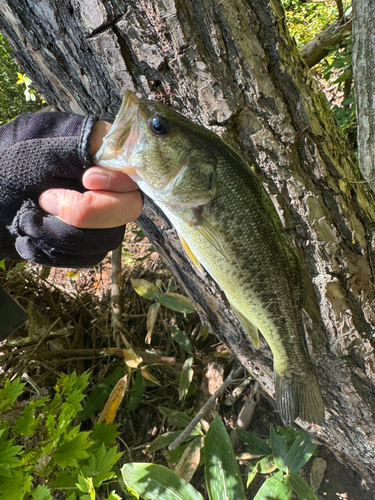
(229, 225)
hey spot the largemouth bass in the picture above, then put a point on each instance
(228, 224)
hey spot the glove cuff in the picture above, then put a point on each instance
(84, 141)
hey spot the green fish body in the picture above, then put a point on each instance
(228, 224)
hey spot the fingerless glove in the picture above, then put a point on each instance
(39, 151)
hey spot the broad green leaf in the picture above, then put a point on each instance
(145, 289)
(2, 264)
(73, 450)
(181, 339)
(15, 487)
(100, 465)
(300, 487)
(275, 490)
(8, 455)
(299, 453)
(177, 417)
(27, 423)
(257, 445)
(105, 433)
(155, 482)
(10, 392)
(278, 449)
(222, 474)
(186, 376)
(176, 302)
(41, 493)
(100, 395)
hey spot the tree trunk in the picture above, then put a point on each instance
(363, 69)
(231, 66)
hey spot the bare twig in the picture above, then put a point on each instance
(187, 431)
(116, 303)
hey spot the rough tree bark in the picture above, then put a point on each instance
(363, 69)
(232, 66)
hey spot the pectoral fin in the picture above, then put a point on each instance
(189, 252)
(248, 326)
(211, 235)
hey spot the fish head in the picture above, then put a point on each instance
(161, 150)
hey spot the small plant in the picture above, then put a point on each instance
(281, 458)
(171, 300)
(44, 451)
(222, 475)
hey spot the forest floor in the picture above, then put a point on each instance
(70, 329)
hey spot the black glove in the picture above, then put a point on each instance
(39, 151)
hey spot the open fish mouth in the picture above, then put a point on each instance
(123, 139)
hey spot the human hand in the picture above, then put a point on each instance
(40, 151)
(112, 199)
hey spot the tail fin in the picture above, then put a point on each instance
(299, 396)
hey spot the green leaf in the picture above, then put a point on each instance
(163, 441)
(300, 487)
(177, 417)
(253, 471)
(8, 455)
(15, 487)
(278, 449)
(85, 484)
(136, 391)
(10, 393)
(155, 482)
(41, 493)
(73, 450)
(113, 496)
(105, 433)
(299, 453)
(275, 490)
(186, 376)
(145, 289)
(2, 264)
(176, 302)
(100, 395)
(257, 445)
(100, 465)
(223, 478)
(267, 465)
(181, 339)
(27, 423)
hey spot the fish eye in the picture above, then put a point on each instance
(159, 125)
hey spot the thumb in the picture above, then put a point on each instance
(92, 209)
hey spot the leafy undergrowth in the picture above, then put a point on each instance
(161, 365)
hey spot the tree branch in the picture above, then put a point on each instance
(316, 49)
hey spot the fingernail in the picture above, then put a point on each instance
(97, 180)
(51, 203)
